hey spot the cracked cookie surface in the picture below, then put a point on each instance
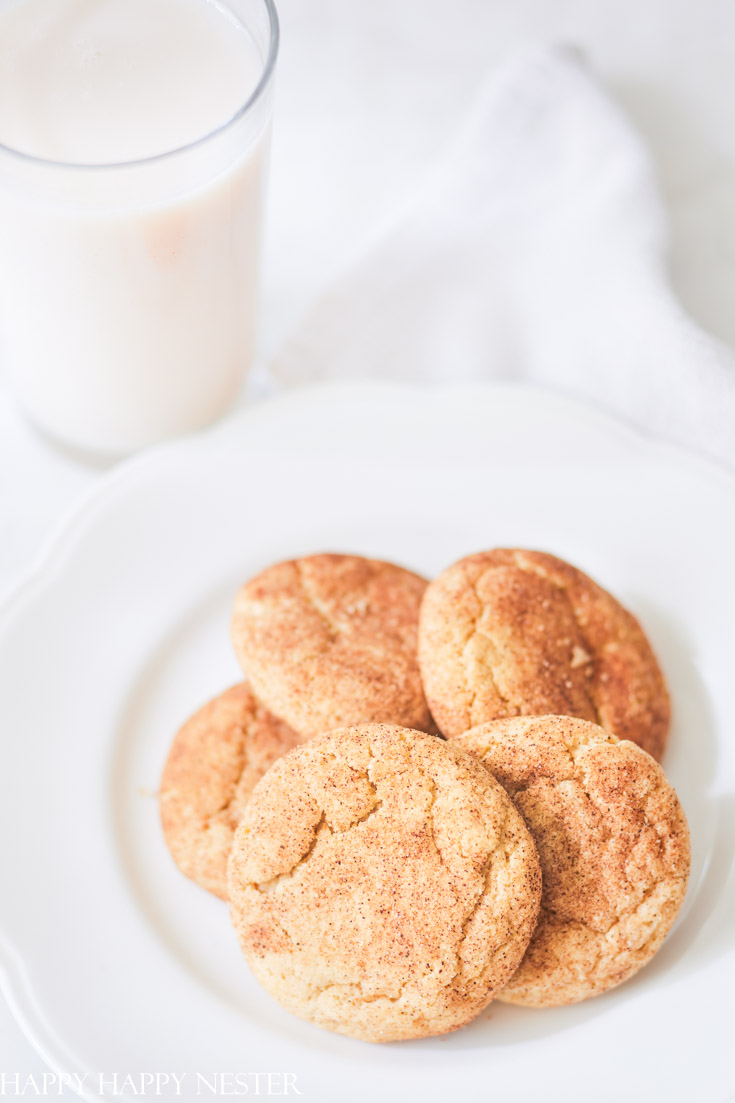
(331, 640)
(521, 633)
(214, 763)
(613, 844)
(382, 884)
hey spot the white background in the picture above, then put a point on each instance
(368, 94)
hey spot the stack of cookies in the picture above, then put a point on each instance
(426, 796)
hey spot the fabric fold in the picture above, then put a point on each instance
(536, 251)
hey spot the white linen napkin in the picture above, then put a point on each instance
(536, 251)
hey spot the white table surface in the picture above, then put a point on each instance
(368, 93)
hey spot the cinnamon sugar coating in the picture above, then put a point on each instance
(613, 844)
(331, 640)
(512, 632)
(214, 763)
(382, 884)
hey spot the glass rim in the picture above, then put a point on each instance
(157, 158)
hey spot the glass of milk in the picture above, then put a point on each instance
(133, 141)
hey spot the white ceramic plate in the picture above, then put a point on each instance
(113, 962)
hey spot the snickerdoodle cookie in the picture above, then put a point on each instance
(511, 632)
(613, 844)
(382, 883)
(213, 765)
(330, 640)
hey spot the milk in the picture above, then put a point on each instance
(130, 210)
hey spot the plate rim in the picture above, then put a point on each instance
(63, 531)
